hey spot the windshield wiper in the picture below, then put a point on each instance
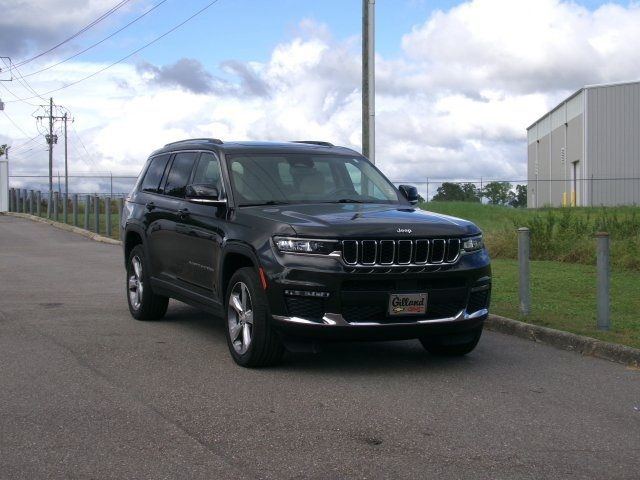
(348, 200)
(269, 202)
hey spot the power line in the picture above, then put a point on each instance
(97, 43)
(79, 32)
(18, 99)
(15, 124)
(210, 4)
(22, 80)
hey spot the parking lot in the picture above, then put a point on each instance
(88, 392)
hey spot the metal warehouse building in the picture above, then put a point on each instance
(586, 151)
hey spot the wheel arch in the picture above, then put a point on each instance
(235, 257)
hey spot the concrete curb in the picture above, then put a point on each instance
(68, 228)
(565, 340)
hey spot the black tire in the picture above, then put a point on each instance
(147, 306)
(264, 347)
(452, 345)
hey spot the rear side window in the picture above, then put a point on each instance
(152, 177)
(179, 174)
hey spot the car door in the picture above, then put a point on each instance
(155, 213)
(201, 231)
(170, 205)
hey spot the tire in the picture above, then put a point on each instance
(251, 339)
(452, 345)
(143, 303)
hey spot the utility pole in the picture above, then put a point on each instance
(51, 138)
(50, 142)
(66, 170)
(368, 80)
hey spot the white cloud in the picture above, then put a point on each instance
(454, 105)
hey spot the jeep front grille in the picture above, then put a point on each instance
(400, 252)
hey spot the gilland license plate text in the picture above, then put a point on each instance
(407, 303)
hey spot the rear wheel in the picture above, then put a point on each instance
(143, 303)
(452, 345)
(252, 342)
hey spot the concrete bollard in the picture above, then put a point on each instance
(120, 208)
(96, 213)
(38, 202)
(523, 262)
(74, 209)
(107, 215)
(65, 214)
(56, 201)
(87, 209)
(18, 201)
(31, 201)
(11, 198)
(49, 204)
(603, 268)
(25, 201)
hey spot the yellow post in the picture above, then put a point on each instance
(573, 199)
(564, 199)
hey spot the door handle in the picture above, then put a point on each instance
(183, 213)
(150, 206)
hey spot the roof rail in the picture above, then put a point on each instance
(191, 140)
(314, 142)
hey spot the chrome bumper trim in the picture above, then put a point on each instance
(336, 319)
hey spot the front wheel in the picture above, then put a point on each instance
(252, 342)
(143, 303)
(452, 345)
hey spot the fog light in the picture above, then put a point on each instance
(306, 293)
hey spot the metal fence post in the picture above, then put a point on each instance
(523, 261)
(31, 202)
(49, 205)
(38, 202)
(120, 208)
(11, 198)
(602, 293)
(65, 213)
(96, 199)
(18, 204)
(87, 209)
(107, 215)
(74, 209)
(24, 200)
(55, 205)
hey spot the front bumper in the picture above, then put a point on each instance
(355, 303)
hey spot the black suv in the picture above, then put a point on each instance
(295, 243)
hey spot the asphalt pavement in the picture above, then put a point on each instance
(88, 392)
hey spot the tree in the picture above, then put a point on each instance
(456, 192)
(518, 199)
(497, 192)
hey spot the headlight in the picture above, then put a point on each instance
(472, 244)
(302, 245)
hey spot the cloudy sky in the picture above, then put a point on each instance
(457, 82)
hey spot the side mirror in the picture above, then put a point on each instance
(410, 193)
(203, 193)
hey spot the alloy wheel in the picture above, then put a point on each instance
(136, 286)
(240, 317)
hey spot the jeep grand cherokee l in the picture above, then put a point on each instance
(299, 242)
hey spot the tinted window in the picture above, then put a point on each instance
(179, 174)
(154, 173)
(208, 171)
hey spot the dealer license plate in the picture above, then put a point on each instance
(407, 303)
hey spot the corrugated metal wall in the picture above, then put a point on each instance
(613, 144)
(547, 139)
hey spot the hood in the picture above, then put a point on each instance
(351, 220)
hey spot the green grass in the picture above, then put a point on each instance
(560, 234)
(564, 297)
(115, 229)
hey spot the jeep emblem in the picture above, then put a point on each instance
(404, 230)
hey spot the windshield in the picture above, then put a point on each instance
(259, 179)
